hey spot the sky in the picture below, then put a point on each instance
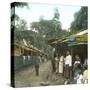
(34, 12)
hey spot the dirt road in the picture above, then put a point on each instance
(26, 77)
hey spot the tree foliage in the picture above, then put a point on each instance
(48, 27)
(80, 20)
(46, 30)
(21, 24)
(13, 15)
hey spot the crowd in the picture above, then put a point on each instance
(72, 70)
(69, 67)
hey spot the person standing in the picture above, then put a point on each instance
(53, 60)
(77, 60)
(56, 65)
(76, 63)
(68, 66)
(61, 62)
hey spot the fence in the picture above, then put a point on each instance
(21, 61)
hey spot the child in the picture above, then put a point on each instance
(85, 75)
(78, 78)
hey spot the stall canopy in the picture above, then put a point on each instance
(75, 39)
(80, 38)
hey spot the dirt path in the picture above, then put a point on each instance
(26, 77)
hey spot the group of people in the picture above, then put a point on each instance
(67, 66)
(70, 69)
(80, 71)
(63, 65)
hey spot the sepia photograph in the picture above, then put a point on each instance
(49, 44)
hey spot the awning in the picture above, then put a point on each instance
(75, 44)
(79, 37)
(75, 39)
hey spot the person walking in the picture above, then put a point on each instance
(37, 69)
(37, 61)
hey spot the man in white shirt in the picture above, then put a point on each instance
(68, 65)
(68, 59)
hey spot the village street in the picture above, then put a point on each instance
(26, 77)
(51, 48)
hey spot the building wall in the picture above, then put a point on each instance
(17, 51)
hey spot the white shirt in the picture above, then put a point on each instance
(79, 80)
(77, 62)
(56, 59)
(61, 59)
(85, 75)
(68, 60)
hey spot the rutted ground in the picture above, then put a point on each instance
(26, 77)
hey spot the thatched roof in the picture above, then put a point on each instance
(27, 48)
